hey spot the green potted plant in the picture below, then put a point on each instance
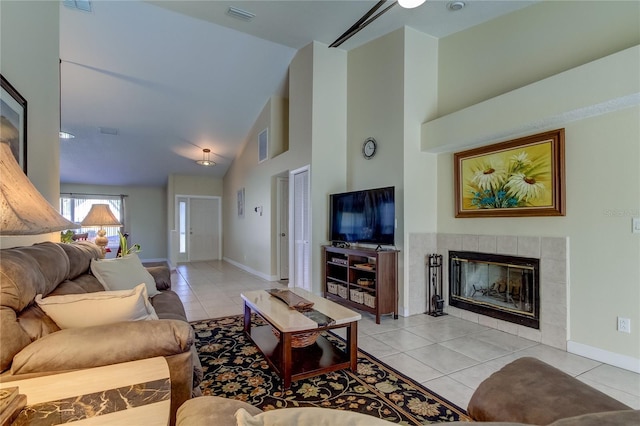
(124, 246)
(66, 236)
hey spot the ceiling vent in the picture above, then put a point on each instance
(243, 15)
(108, 130)
(83, 5)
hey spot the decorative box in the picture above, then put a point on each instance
(332, 287)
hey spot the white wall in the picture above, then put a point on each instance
(317, 134)
(29, 34)
(146, 218)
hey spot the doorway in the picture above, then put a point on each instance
(198, 221)
(283, 228)
(300, 232)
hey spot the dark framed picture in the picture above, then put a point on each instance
(521, 177)
(13, 116)
(240, 200)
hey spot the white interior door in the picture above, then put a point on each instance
(301, 229)
(283, 228)
(204, 229)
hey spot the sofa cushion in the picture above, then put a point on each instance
(80, 254)
(14, 338)
(212, 410)
(87, 347)
(608, 418)
(81, 284)
(123, 273)
(102, 307)
(308, 416)
(162, 276)
(36, 323)
(168, 306)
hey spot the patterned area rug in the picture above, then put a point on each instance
(234, 368)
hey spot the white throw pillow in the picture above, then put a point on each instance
(315, 416)
(98, 308)
(123, 273)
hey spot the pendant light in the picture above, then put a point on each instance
(205, 158)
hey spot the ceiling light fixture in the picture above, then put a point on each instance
(410, 4)
(456, 5)
(66, 135)
(243, 15)
(205, 158)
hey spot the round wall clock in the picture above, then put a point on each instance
(369, 148)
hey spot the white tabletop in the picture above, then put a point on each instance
(284, 319)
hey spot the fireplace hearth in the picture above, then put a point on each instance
(499, 286)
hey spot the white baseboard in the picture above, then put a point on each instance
(622, 361)
(250, 270)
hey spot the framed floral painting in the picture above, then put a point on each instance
(521, 177)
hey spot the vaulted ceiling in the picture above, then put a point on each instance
(145, 86)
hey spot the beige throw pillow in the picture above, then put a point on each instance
(101, 307)
(123, 273)
(315, 416)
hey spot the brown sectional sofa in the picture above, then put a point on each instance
(526, 391)
(32, 344)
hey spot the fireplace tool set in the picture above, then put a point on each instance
(434, 285)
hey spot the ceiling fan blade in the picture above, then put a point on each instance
(366, 19)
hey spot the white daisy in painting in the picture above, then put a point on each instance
(489, 175)
(524, 187)
(521, 160)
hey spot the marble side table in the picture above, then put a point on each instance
(137, 392)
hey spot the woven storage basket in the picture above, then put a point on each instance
(357, 296)
(343, 292)
(365, 282)
(370, 300)
(332, 288)
(300, 340)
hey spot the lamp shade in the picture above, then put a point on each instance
(23, 210)
(100, 215)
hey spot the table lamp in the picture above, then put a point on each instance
(23, 210)
(100, 216)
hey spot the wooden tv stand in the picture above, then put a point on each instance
(363, 279)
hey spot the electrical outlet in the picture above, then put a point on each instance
(624, 325)
(635, 225)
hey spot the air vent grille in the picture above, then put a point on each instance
(240, 14)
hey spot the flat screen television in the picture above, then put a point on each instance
(367, 216)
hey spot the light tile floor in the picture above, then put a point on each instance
(448, 355)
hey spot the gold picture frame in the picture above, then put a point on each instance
(520, 177)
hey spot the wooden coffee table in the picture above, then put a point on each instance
(298, 363)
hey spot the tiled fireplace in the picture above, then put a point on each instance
(498, 286)
(551, 254)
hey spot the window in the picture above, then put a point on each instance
(75, 207)
(183, 226)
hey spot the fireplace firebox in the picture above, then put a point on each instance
(499, 286)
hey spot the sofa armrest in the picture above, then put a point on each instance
(531, 391)
(76, 348)
(161, 275)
